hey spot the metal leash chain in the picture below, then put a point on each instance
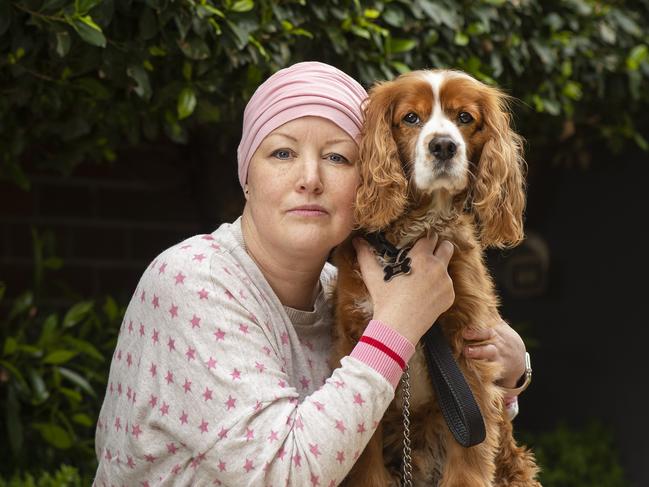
(407, 459)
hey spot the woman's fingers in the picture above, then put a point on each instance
(487, 351)
(444, 251)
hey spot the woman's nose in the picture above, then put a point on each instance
(310, 179)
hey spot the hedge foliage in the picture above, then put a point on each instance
(84, 78)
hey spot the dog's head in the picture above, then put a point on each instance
(441, 131)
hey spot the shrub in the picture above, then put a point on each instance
(53, 371)
(83, 78)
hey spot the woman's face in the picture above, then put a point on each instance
(302, 181)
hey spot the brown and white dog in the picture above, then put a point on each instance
(438, 155)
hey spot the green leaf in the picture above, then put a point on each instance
(14, 422)
(11, 345)
(195, 48)
(73, 395)
(92, 87)
(21, 304)
(461, 39)
(84, 347)
(186, 103)
(84, 6)
(62, 43)
(39, 389)
(78, 380)
(59, 357)
(111, 309)
(371, 13)
(242, 6)
(89, 31)
(572, 90)
(49, 330)
(16, 374)
(401, 45)
(400, 67)
(141, 77)
(77, 313)
(394, 16)
(240, 36)
(83, 419)
(636, 57)
(3, 289)
(54, 435)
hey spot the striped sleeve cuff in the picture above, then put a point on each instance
(385, 350)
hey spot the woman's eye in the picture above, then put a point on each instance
(465, 117)
(282, 154)
(338, 158)
(411, 118)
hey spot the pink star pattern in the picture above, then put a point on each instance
(173, 311)
(175, 329)
(164, 409)
(183, 418)
(207, 395)
(231, 403)
(315, 449)
(180, 278)
(358, 399)
(340, 456)
(195, 321)
(190, 353)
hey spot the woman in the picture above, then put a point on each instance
(220, 375)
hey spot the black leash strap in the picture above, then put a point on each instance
(460, 410)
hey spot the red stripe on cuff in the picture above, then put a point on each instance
(385, 349)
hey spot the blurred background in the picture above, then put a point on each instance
(119, 122)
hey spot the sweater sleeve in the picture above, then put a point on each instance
(209, 401)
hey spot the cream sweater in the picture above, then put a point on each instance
(214, 382)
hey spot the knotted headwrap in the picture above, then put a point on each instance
(307, 88)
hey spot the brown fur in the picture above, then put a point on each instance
(487, 211)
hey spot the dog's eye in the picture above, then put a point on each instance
(465, 117)
(411, 118)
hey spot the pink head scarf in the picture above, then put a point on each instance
(308, 88)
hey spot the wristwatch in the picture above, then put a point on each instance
(526, 378)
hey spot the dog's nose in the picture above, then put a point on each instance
(443, 148)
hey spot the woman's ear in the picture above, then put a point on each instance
(498, 192)
(382, 194)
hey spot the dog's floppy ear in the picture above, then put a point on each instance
(498, 192)
(382, 194)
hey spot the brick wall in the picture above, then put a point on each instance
(110, 221)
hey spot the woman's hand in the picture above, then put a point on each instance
(411, 303)
(498, 344)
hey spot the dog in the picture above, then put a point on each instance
(438, 154)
